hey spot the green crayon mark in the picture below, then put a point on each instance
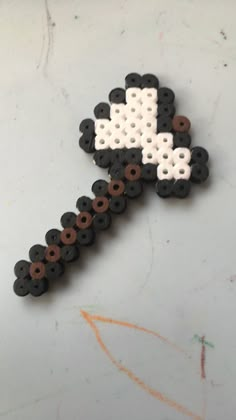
(198, 339)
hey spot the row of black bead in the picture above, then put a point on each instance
(24, 284)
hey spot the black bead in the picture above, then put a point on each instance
(117, 96)
(118, 155)
(84, 204)
(133, 80)
(37, 253)
(87, 126)
(165, 96)
(102, 158)
(38, 287)
(68, 219)
(53, 237)
(118, 204)
(117, 171)
(164, 124)
(181, 188)
(199, 173)
(102, 110)
(164, 188)
(54, 270)
(69, 253)
(133, 189)
(87, 142)
(149, 172)
(20, 287)
(101, 221)
(21, 269)
(149, 81)
(86, 237)
(199, 155)
(100, 187)
(182, 140)
(133, 155)
(166, 110)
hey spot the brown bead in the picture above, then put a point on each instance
(68, 236)
(37, 270)
(132, 172)
(52, 253)
(116, 187)
(84, 220)
(181, 124)
(100, 204)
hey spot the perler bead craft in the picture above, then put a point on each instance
(139, 139)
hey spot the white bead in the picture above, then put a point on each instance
(117, 124)
(102, 141)
(133, 125)
(117, 140)
(165, 155)
(149, 123)
(149, 109)
(149, 94)
(149, 156)
(133, 140)
(164, 140)
(133, 95)
(133, 111)
(181, 171)
(181, 155)
(165, 171)
(148, 139)
(117, 111)
(102, 126)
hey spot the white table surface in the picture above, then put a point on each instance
(168, 266)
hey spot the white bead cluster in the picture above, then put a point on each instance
(134, 124)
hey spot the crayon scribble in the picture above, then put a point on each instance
(206, 343)
(91, 319)
(203, 359)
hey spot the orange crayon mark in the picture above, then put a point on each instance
(156, 394)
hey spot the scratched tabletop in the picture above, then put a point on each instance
(144, 325)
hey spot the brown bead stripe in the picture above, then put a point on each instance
(116, 187)
(68, 236)
(52, 253)
(132, 172)
(37, 270)
(84, 220)
(100, 204)
(181, 123)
